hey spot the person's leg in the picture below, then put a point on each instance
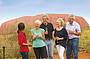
(58, 47)
(75, 48)
(37, 53)
(61, 50)
(69, 49)
(43, 52)
(24, 55)
(47, 47)
(50, 48)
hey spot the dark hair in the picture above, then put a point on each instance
(21, 27)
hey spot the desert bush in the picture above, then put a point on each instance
(85, 40)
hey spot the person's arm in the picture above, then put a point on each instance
(65, 34)
(52, 27)
(78, 30)
(33, 37)
(25, 44)
(20, 40)
(77, 33)
(43, 36)
(74, 32)
(59, 38)
(53, 32)
(53, 35)
(24, 40)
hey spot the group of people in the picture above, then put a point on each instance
(43, 35)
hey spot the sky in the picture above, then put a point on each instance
(10, 9)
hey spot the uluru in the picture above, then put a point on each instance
(11, 25)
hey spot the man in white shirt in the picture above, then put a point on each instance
(73, 29)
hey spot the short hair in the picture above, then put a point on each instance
(38, 21)
(71, 16)
(21, 26)
(60, 20)
(45, 14)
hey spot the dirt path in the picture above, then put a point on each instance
(82, 55)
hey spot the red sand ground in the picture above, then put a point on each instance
(82, 55)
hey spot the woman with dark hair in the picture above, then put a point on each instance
(22, 41)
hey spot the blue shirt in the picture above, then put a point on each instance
(38, 42)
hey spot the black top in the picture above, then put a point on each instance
(62, 33)
(50, 29)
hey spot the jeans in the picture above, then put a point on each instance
(50, 47)
(24, 55)
(72, 45)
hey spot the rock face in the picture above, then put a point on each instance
(11, 26)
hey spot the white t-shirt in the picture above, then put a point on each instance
(74, 27)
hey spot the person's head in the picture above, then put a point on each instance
(37, 23)
(60, 22)
(71, 18)
(45, 18)
(21, 27)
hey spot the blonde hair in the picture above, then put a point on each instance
(38, 22)
(61, 21)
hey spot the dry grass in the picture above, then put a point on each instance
(10, 41)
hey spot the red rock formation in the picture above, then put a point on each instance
(11, 26)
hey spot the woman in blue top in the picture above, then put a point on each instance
(39, 46)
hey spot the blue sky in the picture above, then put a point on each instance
(10, 9)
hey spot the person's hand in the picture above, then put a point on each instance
(46, 32)
(38, 36)
(59, 38)
(71, 32)
(25, 44)
(30, 44)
